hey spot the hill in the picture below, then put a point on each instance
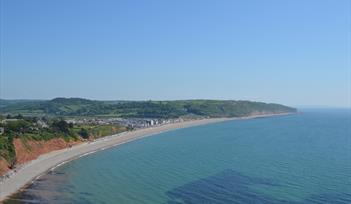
(77, 107)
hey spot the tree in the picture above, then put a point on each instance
(19, 116)
(61, 126)
(31, 119)
(83, 133)
(19, 126)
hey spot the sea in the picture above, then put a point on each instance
(299, 158)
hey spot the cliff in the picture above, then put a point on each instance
(30, 150)
(4, 166)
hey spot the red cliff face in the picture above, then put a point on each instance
(4, 166)
(30, 150)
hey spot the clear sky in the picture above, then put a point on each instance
(295, 52)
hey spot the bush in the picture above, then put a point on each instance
(17, 126)
(61, 126)
(83, 133)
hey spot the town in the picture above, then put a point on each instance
(37, 123)
(131, 123)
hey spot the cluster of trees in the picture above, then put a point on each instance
(61, 126)
(83, 133)
(28, 124)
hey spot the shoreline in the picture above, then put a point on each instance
(29, 172)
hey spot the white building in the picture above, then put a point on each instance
(42, 124)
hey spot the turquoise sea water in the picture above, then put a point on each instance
(302, 158)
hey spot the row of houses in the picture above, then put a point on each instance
(128, 122)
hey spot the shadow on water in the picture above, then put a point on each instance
(232, 187)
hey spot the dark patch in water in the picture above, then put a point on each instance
(226, 187)
(86, 193)
(232, 187)
(330, 198)
(55, 173)
(42, 190)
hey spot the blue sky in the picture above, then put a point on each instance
(295, 52)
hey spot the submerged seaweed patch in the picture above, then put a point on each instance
(233, 187)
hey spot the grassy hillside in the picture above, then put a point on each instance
(149, 109)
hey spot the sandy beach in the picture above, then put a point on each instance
(31, 170)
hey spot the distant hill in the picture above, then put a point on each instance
(140, 109)
(4, 103)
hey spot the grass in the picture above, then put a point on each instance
(97, 131)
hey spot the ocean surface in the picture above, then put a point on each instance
(302, 158)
